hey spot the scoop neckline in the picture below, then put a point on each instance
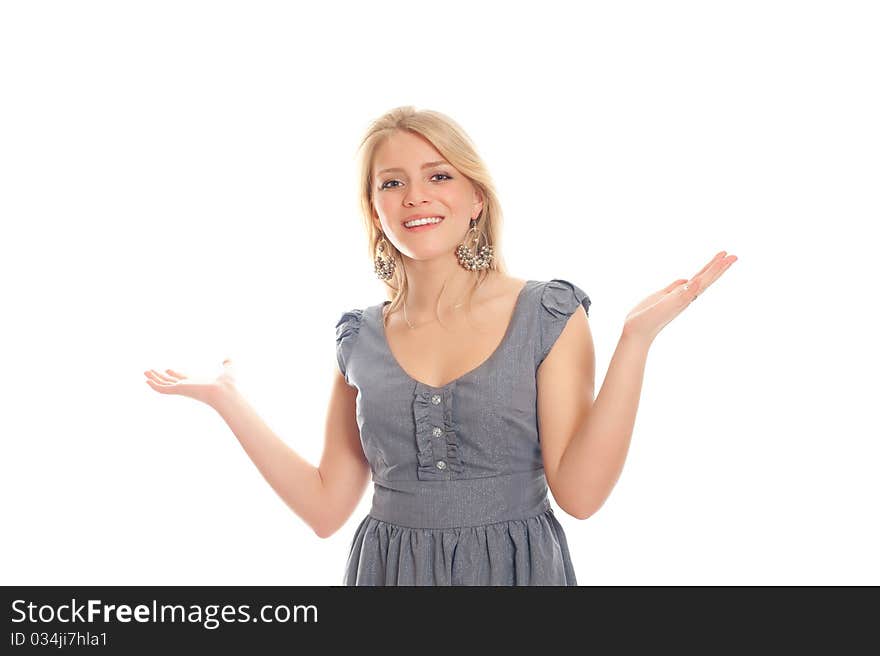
(467, 374)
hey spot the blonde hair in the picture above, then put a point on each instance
(456, 147)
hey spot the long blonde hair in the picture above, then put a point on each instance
(456, 147)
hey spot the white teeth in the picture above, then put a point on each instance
(418, 222)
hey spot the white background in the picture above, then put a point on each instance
(177, 185)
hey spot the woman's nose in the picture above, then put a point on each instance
(414, 195)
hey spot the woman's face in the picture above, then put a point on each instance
(421, 184)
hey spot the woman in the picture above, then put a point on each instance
(466, 396)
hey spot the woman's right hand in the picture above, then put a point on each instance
(205, 389)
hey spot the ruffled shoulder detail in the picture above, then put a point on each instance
(346, 333)
(559, 300)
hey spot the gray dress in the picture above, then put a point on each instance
(459, 492)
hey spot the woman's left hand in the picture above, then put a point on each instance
(647, 318)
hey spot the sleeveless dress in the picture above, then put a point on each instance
(460, 495)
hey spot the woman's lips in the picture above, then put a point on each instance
(427, 226)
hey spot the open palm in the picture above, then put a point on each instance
(204, 388)
(649, 317)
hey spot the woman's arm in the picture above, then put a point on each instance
(585, 442)
(592, 461)
(324, 497)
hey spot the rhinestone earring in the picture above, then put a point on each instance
(384, 267)
(468, 258)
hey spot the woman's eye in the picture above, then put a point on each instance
(384, 184)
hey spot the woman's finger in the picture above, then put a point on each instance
(689, 291)
(721, 268)
(715, 271)
(160, 376)
(159, 387)
(709, 264)
(156, 380)
(656, 296)
(673, 285)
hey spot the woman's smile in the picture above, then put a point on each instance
(424, 226)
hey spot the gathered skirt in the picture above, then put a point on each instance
(531, 551)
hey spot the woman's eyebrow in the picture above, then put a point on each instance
(426, 165)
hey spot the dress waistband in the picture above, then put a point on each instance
(460, 502)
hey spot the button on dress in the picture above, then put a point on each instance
(459, 491)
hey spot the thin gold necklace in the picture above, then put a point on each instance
(405, 318)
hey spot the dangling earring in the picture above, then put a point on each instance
(469, 258)
(384, 266)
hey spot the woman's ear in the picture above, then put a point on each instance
(478, 202)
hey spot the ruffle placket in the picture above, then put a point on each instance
(436, 433)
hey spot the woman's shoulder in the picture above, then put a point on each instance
(503, 285)
(512, 285)
(548, 293)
